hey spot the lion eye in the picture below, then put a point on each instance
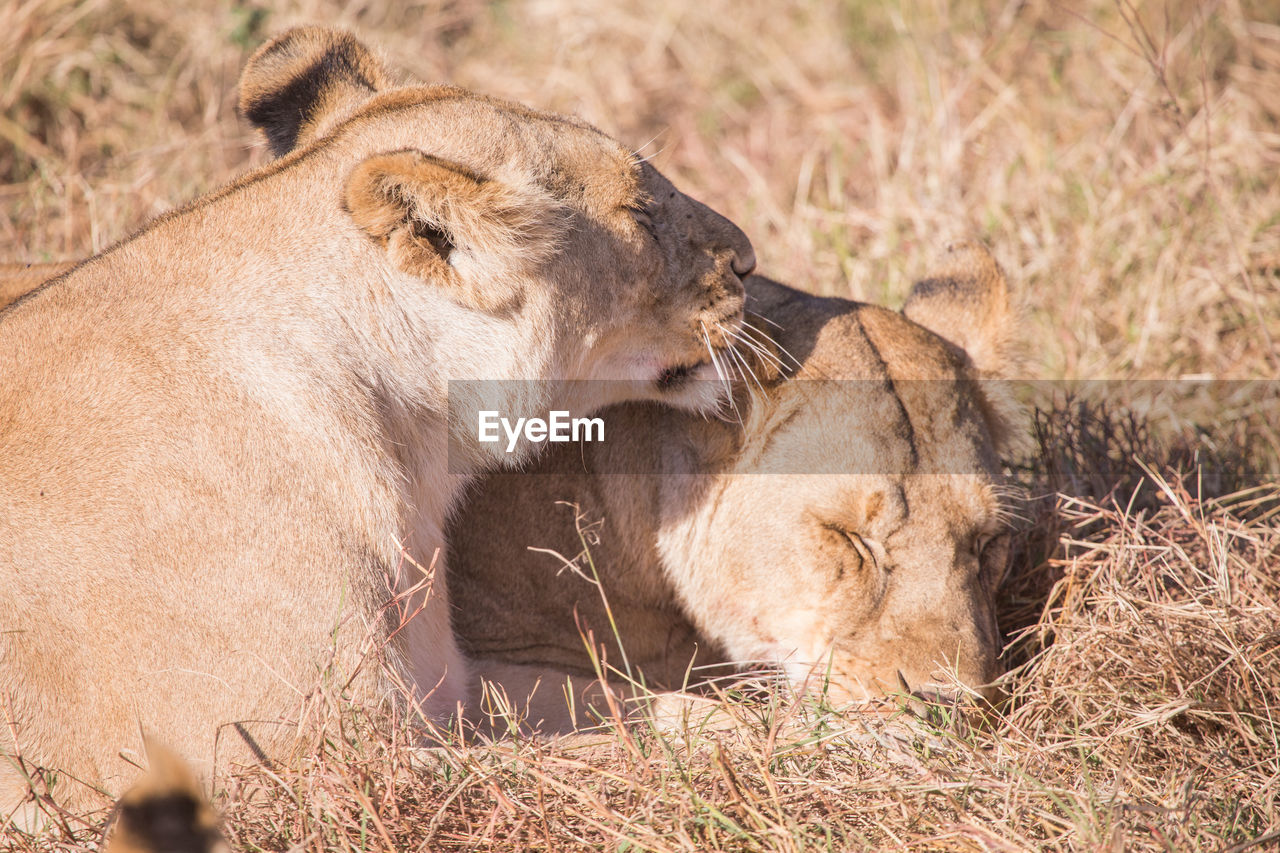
(992, 553)
(868, 554)
(984, 545)
(860, 545)
(642, 217)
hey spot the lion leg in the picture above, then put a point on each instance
(439, 673)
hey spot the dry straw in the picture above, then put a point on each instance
(1119, 158)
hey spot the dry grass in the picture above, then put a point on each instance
(1121, 163)
(1144, 717)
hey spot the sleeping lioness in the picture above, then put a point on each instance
(223, 440)
(845, 521)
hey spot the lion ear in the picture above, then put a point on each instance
(297, 86)
(440, 221)
(966, 301)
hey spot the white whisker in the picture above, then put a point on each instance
(728, 386)
(735, 363)
(801, 369)
(652, 139)
(735, 360)
(715, 362)
(762, 353)
(745, 367)
(747, 327)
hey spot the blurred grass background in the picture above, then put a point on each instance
(1119, 158)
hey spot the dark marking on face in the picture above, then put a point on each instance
(874, 504)
(904, 428)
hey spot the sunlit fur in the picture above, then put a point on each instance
(223, 440)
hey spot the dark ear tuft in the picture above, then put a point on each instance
(438, 239)
(299, 84)
(966, 300)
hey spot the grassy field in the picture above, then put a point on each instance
(1119, 158)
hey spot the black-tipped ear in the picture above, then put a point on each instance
(165, 810)
(966, 301)
(297, 86)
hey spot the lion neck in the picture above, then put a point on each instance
(383, 346)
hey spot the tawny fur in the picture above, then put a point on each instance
(228, 441)
(19, 279)
(736, 538)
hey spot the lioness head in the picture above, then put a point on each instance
(518, 211)
(860, 529)
(261, 382)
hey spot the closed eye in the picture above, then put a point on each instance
(980, 543)
(992, 552)
(868, 553)
(860, 545)
(639, 211)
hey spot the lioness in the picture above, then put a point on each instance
(223, 440)
(847, 521)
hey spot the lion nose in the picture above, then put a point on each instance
(727, 236)
(744, 258)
